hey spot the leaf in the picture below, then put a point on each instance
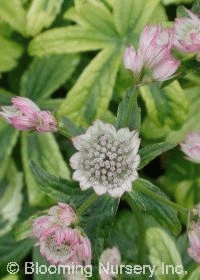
(60, 189)
(90, 96)
(163, 253)
(194, 274)
(41, 14)
(166, 106)
(71, 129)
(33, 146)
(11, 200)
(46, 74)
(129, 116)
(8, 139)
(12, 251)
(97, 222)
(13, 13)
(70, 39)
(148, 153)
(196, 7)
(42, 262)
(132, 15)
(162, 213)
(124, 235)
(9, 53)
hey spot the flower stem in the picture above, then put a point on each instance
(86, 204)
(160, 198)
(141, 228)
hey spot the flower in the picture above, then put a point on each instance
(24, 114)
(76, 276)
(59, 243)
(191, 146)
(109, 260)
(187, 33)
(152, 61)
(106, 159)
(62, 214)
(65, 246)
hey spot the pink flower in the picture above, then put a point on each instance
(109, 261)
(187, 33)
(152, 61)
(65, 246)
(194, 241)
(191, 146)
(59, 243)
(62, 214)
(24, 114)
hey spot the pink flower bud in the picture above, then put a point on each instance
(109, 260)
(152, 61)
(187, 33)
(191, 146)
(24, 114)
(59, 243)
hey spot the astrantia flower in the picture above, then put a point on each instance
(59, 243)
(24, 114)
(110, 258)
(107, 159)
(65, 246)
(187, 33)
(191, 146)
(153, 60)
(62, 214)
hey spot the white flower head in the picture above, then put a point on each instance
(106, 159)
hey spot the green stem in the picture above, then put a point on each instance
(160, 198)
(86, 204)
(141, 229)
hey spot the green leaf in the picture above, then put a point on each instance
(90, 96)
(163, 253)
(132, 15)
(37, 258)
(9, 53)
(13, 13)
(196, 7)
(12, 251)
(70, 39)
(98, 226)
(148, 153)
(194, 274)
(129, 116)
(71, 129)
(124, 235)
(46, 74)
(41, 14)
(33, 146)
(8, 139)
(11, 200)
(60, 189)
(162, 213)
(166, 106)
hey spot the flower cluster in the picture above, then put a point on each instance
(60, 241)
(110, 257)
(153, 60)
(191, 146)
(107, 159)
(24, 114)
